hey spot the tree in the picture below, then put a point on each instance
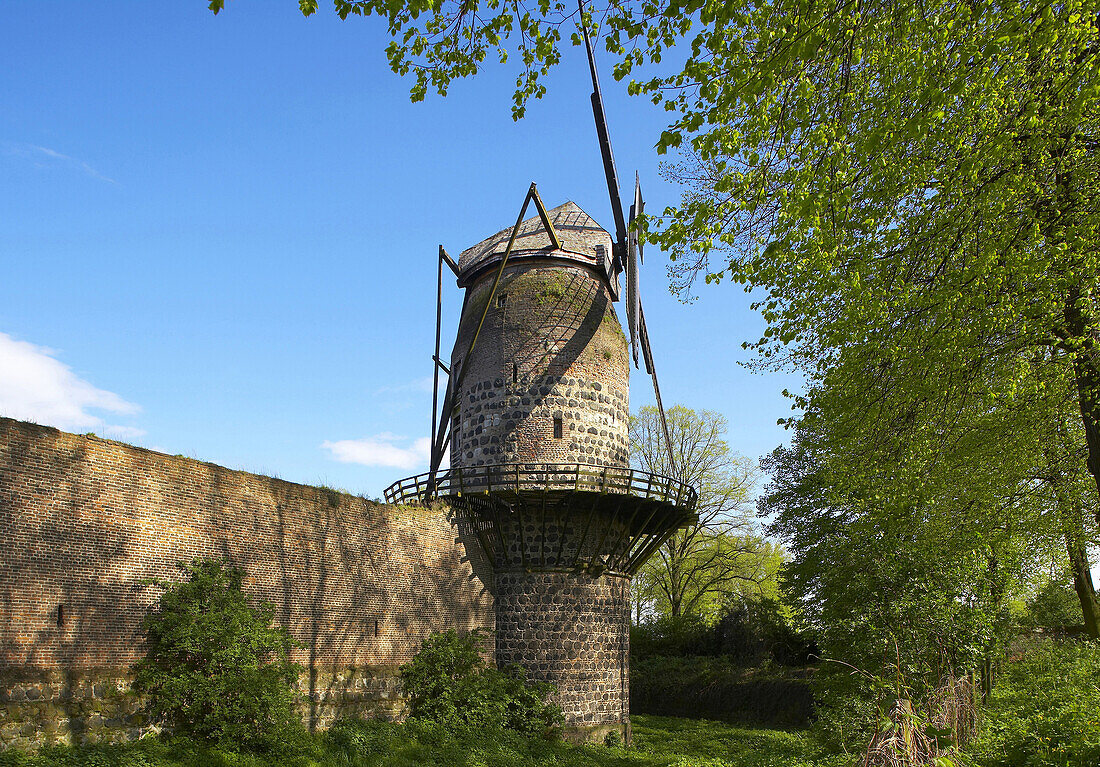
(693, 571)
(1064, 473)
(969, 460)
(215, 666)
(906, 583)
(912, 179)
(914, 522)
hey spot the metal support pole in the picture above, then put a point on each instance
(435, 369)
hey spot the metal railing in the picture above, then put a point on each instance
(542, 477)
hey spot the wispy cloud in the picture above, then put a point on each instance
(385, 449)
(124, 433)
(44, 157)
(36, 386)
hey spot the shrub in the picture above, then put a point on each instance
(1055, 606)
(673, 637)
(215, 666)
(750, 632)
(449, 683)
(755, 631)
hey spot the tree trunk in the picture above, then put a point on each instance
(1071, 518)
(987, 677)
(1082, 584)
(675, 606)
(1081, 329)
(1088, 391)
(997, 592)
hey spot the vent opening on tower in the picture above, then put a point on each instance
(502, 299)
(559, 429)
(515, 373)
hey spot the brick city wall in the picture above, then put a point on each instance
(550, 348)
(86, 522)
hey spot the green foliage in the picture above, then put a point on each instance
(449, 683)
(659, 742)
(761, 630)
(848, 707)
(1044, 709)
(1053, 606)
(749, 632)
(677, 637)
(893, 722)
(215, 667)
(900, 602)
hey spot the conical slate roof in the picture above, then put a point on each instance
(578, 233)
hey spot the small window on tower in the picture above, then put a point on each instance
(515, 373)
(558, 429)
(502, 299)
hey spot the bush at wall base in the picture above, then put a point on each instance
(216, 668)
(448, 682)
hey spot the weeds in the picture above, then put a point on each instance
(1044, 708)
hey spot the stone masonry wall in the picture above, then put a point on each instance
(550, 348)
(576, 536)
(86, 522)
(574, 631)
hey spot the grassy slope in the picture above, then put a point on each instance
(661, 742)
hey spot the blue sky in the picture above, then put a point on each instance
(218, 234)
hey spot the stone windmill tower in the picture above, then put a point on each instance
(535, 414)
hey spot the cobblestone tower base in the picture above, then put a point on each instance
(571, 630)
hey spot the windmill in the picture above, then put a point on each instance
(536, 414)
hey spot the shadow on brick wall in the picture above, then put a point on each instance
(63, 589)
(549, 341)
(358, 583)
(87, 522)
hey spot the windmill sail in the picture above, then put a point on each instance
(605, 150)
(633, 255)
(627, 245)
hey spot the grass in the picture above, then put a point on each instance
(660, 742)
(690, 742)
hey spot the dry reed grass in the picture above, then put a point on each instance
(908, 739)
